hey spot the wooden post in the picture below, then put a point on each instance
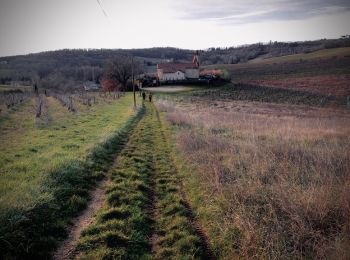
(132, 80)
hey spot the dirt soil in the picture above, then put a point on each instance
(67, 248)
(168, 89)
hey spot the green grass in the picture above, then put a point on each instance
(177, 237)
(4, 88)
(122, 227)
(208, 208)
(29, 151)
(47, 171)
(143, 201)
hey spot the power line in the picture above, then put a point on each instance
(103, 11)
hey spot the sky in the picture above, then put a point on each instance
(29, 26)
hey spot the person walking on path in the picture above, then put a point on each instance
(143, 95)
(150, 97)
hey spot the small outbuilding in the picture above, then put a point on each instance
(91, 86)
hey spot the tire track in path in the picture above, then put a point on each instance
(145, 215)
(67, 249)
(177, 232)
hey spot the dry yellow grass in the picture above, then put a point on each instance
(272, 180)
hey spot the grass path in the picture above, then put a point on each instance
(145, 215)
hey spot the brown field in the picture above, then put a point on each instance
(324, 72)
(335, 85)
(267, 180)
(168, 89)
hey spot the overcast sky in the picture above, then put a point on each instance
(28, 26)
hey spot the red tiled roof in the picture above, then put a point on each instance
(173, 67)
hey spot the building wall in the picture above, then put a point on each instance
(178, 75)
(192, 73)
(160, 74)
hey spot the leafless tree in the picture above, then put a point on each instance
(121, 68)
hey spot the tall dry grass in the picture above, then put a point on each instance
(281, 181)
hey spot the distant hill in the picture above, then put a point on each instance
(325, 72)
(246, 53)
(65, 69)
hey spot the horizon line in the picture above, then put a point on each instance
(180, 48)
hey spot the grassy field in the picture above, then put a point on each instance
(228, 172)
(48, 167)
(28, 151)
(266, 179)
(258, 168)
(10, 87)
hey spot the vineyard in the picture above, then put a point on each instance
(39, 152)
(332, 85)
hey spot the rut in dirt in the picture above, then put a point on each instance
(168, 169)
(146, 215)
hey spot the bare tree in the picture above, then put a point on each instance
(121, 69)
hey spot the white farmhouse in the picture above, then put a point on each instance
(178, 71)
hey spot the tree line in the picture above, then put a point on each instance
(65, 70)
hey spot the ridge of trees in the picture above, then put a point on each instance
(66, 69)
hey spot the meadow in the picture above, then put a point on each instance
(266, 179)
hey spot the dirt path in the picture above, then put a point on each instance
(67, 247)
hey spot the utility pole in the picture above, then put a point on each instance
(93, 74)
(132, 80)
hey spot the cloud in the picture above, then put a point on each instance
(248, 11)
